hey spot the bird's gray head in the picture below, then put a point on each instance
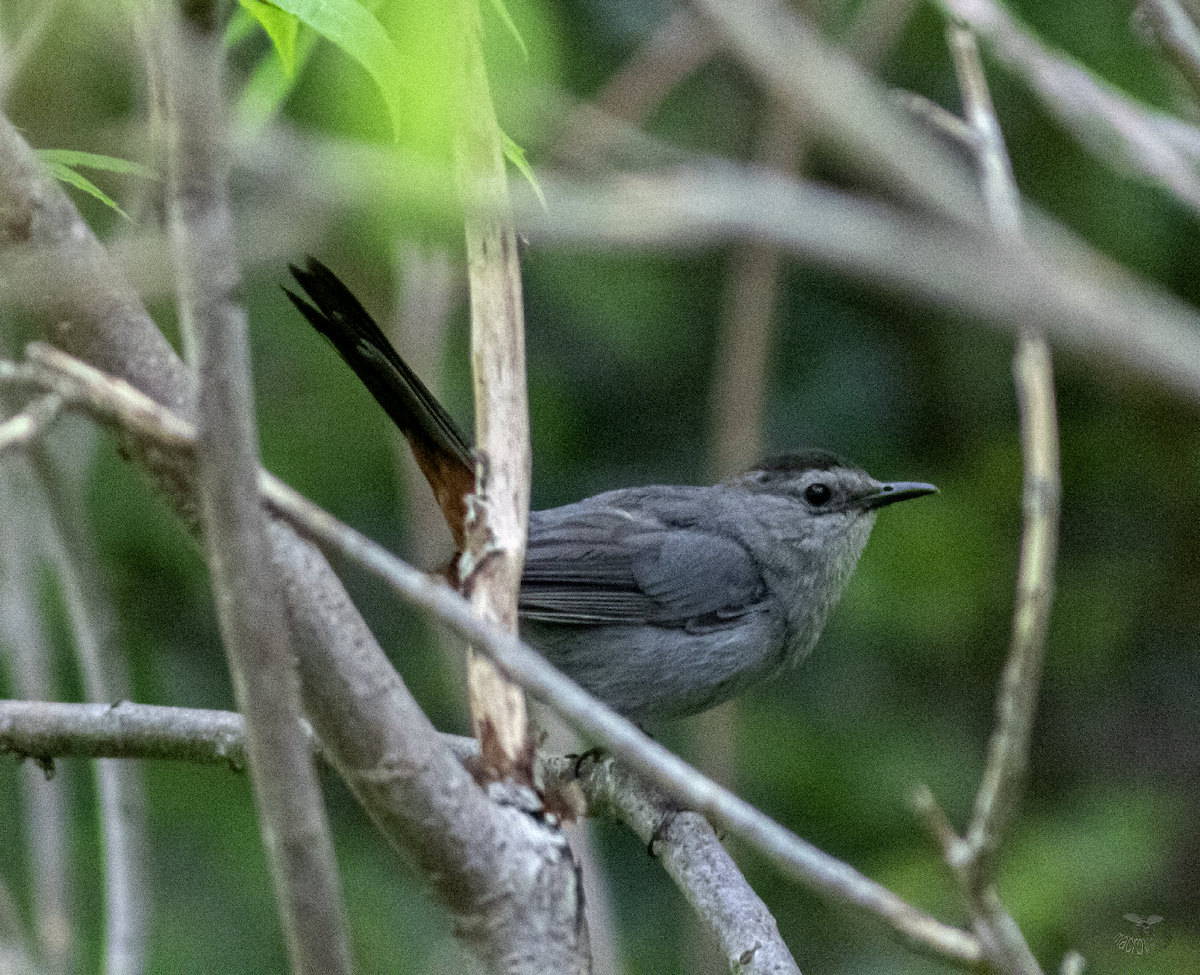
(814, 514)
(825, 484)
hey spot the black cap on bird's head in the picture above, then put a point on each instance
(826, 482)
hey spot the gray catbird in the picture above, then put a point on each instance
(661, 601)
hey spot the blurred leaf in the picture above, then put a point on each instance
(502, 11)
(72, 157)
(355, 30)
(280, 26)
(61, 161)
(516, 155)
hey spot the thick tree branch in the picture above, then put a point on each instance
(692, 855)
(512, 891)
(1084, 300)
(249, 601)
(792, 855)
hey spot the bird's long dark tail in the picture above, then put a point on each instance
(437, 443)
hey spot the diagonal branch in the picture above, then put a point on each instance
(117, 404)
(503, 876)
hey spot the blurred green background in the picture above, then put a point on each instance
(623, 351)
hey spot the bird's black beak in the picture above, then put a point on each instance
(887, 494)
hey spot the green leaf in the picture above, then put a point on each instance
(270, 84)
(280, 26)
(65, 174)
(60, 161)
(356, 31)
(111, 164)
(516, 155)
(506, 17)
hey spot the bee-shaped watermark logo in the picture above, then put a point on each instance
(1146, 940)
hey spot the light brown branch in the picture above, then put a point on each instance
(495, 554)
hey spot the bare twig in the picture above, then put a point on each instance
(974, 858)
(117, 404)
(495, 553)
(22, 428)
(493, 867)
(46, 730)
(49, 730)
(1171, 27)
(249, 600)
(1034, 377)
(118, 786)
(1108, 122)
(937, 118)
(691, 854)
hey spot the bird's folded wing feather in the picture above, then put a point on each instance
(613, 566)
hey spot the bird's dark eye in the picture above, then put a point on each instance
(817, 494)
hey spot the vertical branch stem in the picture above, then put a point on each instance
(496, 532)
(248, 592)
(1008, 751)
(118, 784)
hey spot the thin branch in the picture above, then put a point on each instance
(691, 854)
(1083, 298)
(1172, 29)
(1008, 755)
(117, 403)
(1105, 120)
(47, 730)
(246, 584)
(492, 866)
(119, 787)
(683, 842)
(975, 858)
(20, 429)
(937, 118)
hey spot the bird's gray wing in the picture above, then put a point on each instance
(610, 566)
